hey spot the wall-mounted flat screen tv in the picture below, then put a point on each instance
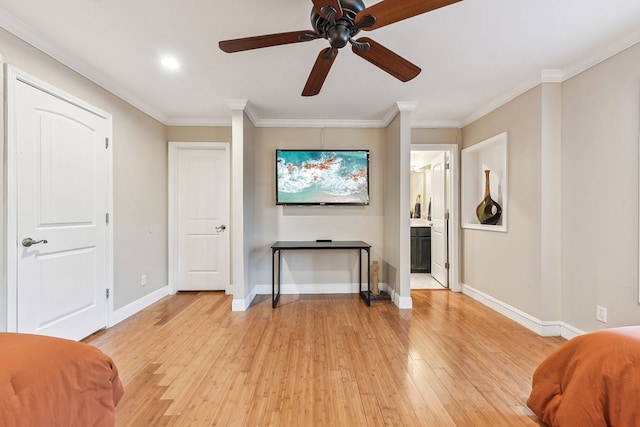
(322, 177)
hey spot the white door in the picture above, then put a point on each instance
(61, 190)
(202, 217)
(438, 209)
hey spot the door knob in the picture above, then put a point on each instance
(29, 242)
(221, 228)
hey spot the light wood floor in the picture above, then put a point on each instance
(324, 361)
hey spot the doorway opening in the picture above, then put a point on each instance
(431, 198)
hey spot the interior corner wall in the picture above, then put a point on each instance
(392, 222)
(600, 122)
(507, 266)
(272, 223)
(250, 214)
(551, 203)
(139, 173)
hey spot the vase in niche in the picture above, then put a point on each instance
(488, 211)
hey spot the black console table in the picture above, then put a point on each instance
(360, 246)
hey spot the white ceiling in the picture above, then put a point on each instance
(474, 55)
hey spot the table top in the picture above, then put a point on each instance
(312, 244)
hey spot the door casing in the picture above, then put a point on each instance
(12, 76)
(454, 213)
(174, 146)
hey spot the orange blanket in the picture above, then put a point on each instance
(592, 380)
(48, 381)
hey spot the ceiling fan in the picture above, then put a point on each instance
(339, 21)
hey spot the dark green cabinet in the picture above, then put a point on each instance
(421, 249)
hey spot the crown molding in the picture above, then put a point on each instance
(551, 76)
(319, 123)
(186, 121)
(435, 124)
(602, 55)
(57, 52)
(557, 76)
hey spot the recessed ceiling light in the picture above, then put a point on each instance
(170, 63)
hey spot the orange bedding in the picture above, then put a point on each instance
(592, 380)
(48, 381)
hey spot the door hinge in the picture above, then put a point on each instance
(106, 143)
(447, 166)
(446, 265)
(106, 217)
(107, 293)
(446, 216)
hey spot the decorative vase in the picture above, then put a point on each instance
(488, 211)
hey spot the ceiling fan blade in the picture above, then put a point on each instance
(320, 6)
(387, 60)
(268, 40)
(390, 11)
(319, 72)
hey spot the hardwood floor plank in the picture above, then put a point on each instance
(323, 360)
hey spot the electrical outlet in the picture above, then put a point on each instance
(601, 313)
(143, 280)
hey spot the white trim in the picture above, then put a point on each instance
(601, 55)
(403, 303)
(12, 76)
(554, 76)
(551, 76)
(138, 305)
(312, 288)
(242, 304)
(436, 124)
(172, 216)
(179, 121)
(39, 41)
(319, 123)
(454, 213)
(62, 55)
(540, 327)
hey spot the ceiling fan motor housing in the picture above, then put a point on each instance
(341, 30)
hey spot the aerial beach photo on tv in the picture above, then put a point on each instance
(322, 177)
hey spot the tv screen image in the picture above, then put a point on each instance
(322, 177)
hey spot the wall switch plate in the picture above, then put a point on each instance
(143, 280)
(601, 313)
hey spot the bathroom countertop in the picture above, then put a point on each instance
(420, 222)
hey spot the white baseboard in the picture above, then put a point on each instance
(543, 328)
(312, 288)
(132, 308)
(332, 288)
(242, 304)
(403, 303)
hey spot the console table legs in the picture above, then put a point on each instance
(274, 297)
(278, 247)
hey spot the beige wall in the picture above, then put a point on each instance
(572, 241)
(199, 133)
(600, 116)
(249, 200)
(139, 173)
(274, 223)
(507, 266)
(390, 268)
(435, 135)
